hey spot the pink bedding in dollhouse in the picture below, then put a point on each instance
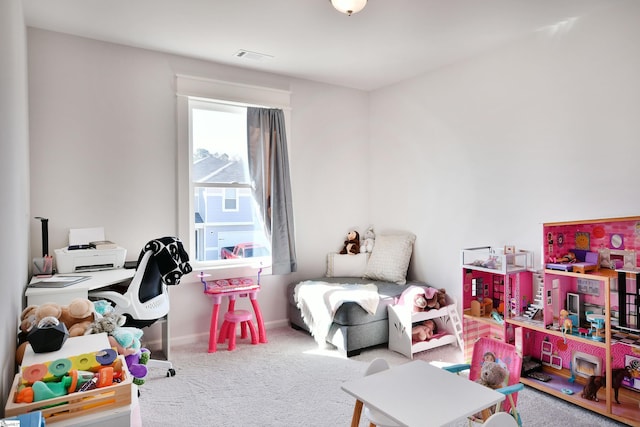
(319, 301)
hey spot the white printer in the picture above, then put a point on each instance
(79, 256)
(79, 260)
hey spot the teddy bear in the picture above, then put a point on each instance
(368, 241)
(492, 375)
(352, 244)
(77, 316)
(436, 298)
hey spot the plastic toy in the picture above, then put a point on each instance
(592, 386)
(137, 365)
(565, 322)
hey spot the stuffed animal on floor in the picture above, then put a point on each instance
(352, 244)
(368, 241)
(492, 375)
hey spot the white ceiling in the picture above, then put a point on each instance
(389, 41)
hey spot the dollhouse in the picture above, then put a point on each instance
(599, 300)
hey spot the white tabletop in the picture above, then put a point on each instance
(418, 394)
(594, 316)
(97, 280)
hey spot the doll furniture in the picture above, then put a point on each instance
(584, 261)
(402, 318)
(491, 350)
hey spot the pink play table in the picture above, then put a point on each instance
(232, 288)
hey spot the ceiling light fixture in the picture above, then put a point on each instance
(349, 6)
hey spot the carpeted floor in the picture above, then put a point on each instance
(290, 382)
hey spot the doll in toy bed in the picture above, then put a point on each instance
(424, 331)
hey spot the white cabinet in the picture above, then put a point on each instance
(402, 318)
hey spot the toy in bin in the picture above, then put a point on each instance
(48, 335)
(60, 377)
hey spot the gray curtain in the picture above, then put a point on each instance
(269, 172)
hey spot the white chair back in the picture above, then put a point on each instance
(377, 418)
(377, 365)
(500, 419)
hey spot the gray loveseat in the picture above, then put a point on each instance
(353, 329)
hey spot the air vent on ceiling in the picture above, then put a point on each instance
(254, 56)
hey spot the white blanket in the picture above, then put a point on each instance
(319, 301)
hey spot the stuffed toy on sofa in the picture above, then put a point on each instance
(368, 241)
(352, 244)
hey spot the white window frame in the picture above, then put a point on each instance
(224, 92)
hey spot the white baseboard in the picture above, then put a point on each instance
(204, 336)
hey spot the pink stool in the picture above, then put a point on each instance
(228, 329)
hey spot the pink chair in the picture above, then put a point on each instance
(228, 328)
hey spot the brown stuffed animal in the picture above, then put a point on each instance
(77, 316)
(28, 318)
(352, 244)
(492, 375)
(436, 298)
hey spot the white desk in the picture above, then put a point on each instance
(418, 394)
(62, 296)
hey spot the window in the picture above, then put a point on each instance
(217, 210)
(226, 213)
(230, 200)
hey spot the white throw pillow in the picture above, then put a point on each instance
(345, 265)
(390, 258)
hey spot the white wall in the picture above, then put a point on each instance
(478, 153)
(14, 182)
(103, 153)
(483, 152)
